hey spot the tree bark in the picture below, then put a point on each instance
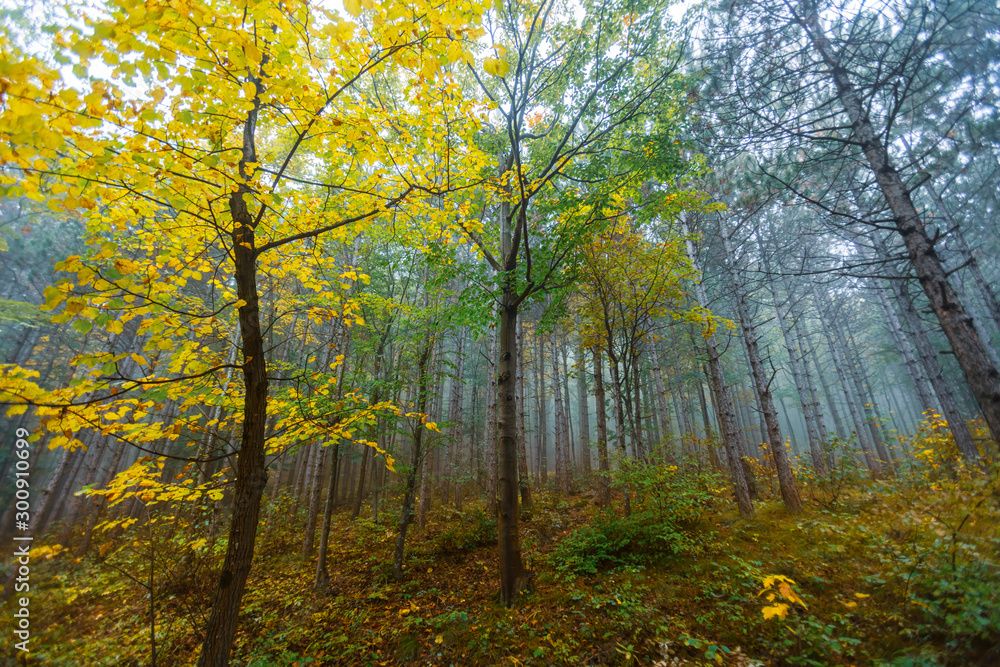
(604, 479)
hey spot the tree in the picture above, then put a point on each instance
(837, 81)
(565, 90)
(224, 143)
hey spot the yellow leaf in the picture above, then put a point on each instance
(780, 610)
(353, 7)
(439, 639)
(126, 266)
(861, 595)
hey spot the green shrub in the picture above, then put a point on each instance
(471, 531)
(665, 506)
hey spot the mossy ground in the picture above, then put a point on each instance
(866, 564)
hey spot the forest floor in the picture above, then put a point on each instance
(873, 574)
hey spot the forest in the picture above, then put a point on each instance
(525, 332)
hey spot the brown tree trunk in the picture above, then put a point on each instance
(251, 471)
(523, 479)
(604, 466)
(416, 460)
(514, 578)
(582, 408)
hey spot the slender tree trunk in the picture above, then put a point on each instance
(491, 429)
(523, 479)
(455, 417)
(840, 363)
(583, 409)
(416, 459)
(251, 470)
(562, 472)
(727, 421)
(514, 578)
(604, 479)
(762, 385)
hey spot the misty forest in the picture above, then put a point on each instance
(526, 332)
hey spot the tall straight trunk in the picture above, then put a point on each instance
(416, 460)
(724, 406)
(838, 422)
(661, 398)
(604, 466)
(840, 363)
(322, 576)
(523, 480)
(804, 345)
(762, 386)
(538, 422)
(859, 377)
(426, 481)
(543, 444)
(101, 501)
(569, 446)
(639, 444)
(582, 408)
(95, 452)
(455, 417)
(562, 470)
(359, 491)
(491, 429)
(798, 377)
(967, 345)
(617, 396)
(685, 403)
(949, 406)
(315, 495)
(251, 470)
(968, 257)
(791, 428)
(514, 578)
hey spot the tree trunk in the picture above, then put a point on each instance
(523, 479)
(724, 407)
(562, 473)
(251, 471)
(416, 460)
(583, 409)
(514, 578)
(491, 429)
(949, 406)
(604, 478)
(455, 417)
(762, 385)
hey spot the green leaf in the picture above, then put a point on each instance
(83, 326)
